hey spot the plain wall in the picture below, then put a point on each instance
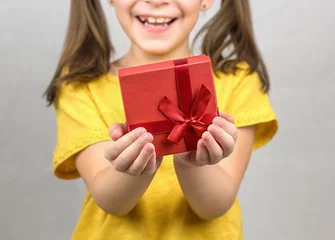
(288, 191)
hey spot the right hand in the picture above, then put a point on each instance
(132, 152)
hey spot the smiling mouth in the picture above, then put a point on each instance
(153, 21)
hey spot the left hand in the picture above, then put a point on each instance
(215, 144)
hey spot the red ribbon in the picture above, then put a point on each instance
(181, 121)
(188, 121)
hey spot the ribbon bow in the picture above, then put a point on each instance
(181, 120)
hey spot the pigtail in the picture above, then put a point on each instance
(87, 48)
(229, 40)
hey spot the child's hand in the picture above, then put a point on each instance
(132, 153)
(216, 144)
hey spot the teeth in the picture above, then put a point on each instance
(153, 20)
(160, 20)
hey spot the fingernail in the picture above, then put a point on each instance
(202, 144)
(146, 137)
(141, 130)
(231, 118)
(114, 132)
(113, 135)
(149, 149)
(220, 122)
(206, 135)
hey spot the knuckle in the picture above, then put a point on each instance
(138, 147)
(230, 147)
(109, 153)
(199, 160)
(117, 167)
(136, 133)
(115, 150)
(139, 143)
(218, 156)
(202, 161)
(106, 155)
(122, 159)
(120, 164)
(136, 169)
(212, 162)
(131, 173)
(134, 172)
(116, 147)
(221, 122)
(148, 171)
(231, 144)
(150, 167)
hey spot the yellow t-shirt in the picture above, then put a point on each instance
(84, 113)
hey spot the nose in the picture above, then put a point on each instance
(158, 2)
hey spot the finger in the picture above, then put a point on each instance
(214, 149)
(227, 117)
(142, 160)
(128, 156)
(117, 130)
(115, 148)
(227, 126)
(224, 140)
(202, 154)
(151, 166)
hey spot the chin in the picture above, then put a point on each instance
(159, 49)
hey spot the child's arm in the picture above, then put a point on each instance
(211, 189)
(118, 183)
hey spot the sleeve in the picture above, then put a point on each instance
(79, 125)
(249, 105)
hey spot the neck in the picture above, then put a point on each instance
(137, 56)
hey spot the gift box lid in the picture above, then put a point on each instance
(122, 72)
(143, 87)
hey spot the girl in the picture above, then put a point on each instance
(131, 194)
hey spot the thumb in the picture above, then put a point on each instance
(117, 130)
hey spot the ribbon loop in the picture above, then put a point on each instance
(183, 122)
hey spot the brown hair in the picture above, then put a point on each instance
(87, 47)
(232, 27)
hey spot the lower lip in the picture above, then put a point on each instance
(156, 29)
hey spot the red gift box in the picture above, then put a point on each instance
(174, 100)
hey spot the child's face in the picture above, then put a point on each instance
(158, 26)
